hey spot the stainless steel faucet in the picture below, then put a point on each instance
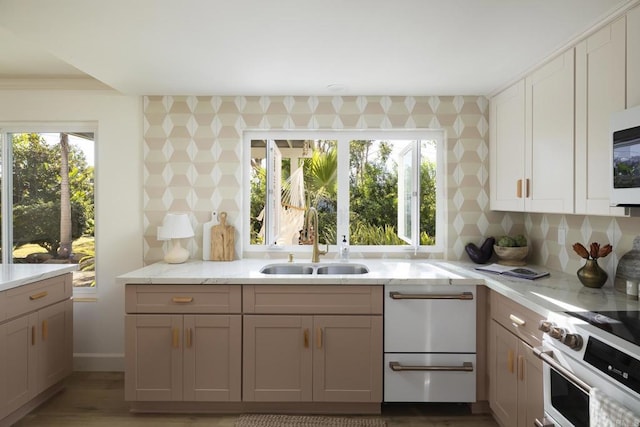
(311, 234)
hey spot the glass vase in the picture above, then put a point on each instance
(592, 275)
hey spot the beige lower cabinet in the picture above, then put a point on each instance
(36, 344)
(253, 347)
(289, 358)
(182, 357)
(515, 373)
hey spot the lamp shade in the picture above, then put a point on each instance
(175, 226)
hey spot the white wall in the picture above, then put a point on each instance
(99, 325)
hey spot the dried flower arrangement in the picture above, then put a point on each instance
(595, 250)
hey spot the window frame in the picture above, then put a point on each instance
(6, 163)
(342, 226)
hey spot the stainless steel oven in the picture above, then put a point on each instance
(578, 356)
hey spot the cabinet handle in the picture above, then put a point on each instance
(38, 295)
(460, 296)
(319, 338)
(45, 330)
(306, 338)
(516, 320)
(175, 338)
(519, 189)
(187, 337)
(33, 335)
(510, 361)
(466, 367)
(527, 187)
(182, 300)
(521, 368)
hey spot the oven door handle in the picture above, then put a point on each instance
(546, 356)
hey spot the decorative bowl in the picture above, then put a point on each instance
(511, 255)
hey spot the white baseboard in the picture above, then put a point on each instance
(98, 362)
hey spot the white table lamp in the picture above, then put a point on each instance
(175, 227)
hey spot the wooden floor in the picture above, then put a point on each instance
(93, 399)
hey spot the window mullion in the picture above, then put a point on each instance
(342, 225)
(7, 201)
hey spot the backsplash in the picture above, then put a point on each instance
(193, 155)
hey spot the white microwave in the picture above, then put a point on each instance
(625, 157)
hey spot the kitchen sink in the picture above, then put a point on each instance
(342, 269)
(287, 269)
(314, 269)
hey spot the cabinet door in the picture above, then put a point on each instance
(549, 136)
(600, 90)
(277, 358)
(530, 387)
(20, 362)
(347, 360)
(55, 343)
(633, 57)
(506, 149)
(504, 390)
(212, 352)
(153, 368)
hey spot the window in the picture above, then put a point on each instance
(47, 199)
(383, 190)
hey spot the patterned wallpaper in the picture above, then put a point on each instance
(193, 153)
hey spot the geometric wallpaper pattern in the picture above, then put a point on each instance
(193, 152)
(193, 163)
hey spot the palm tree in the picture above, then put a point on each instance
(64, 250)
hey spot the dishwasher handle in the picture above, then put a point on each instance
(461, 296)
(466, 367)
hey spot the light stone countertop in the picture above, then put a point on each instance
(558, 292)
(15, 275)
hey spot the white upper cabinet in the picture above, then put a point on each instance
(549, 136)
(633, 57)
(506, 149)
(531, 141)
(600, 90)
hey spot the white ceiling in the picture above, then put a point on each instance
(290, 47)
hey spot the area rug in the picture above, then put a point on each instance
(253, 420)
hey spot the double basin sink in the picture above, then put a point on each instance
(285, 268)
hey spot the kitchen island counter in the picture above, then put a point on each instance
(15, 275)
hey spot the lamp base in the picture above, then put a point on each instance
(177, 254)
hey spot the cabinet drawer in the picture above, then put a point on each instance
(517, 319)
(183, 299)
(312, 299)
(424, 377)
(430, 319)
(34, 296)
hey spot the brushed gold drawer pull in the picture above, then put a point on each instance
(460, 296)
(527, 188)
(510, 361)
(33, 335)
(38, 295)
(175, 338)
(45, 330)
(319, 338)
(182, 300)
(519, 189)
(521, 368)
(397, 367)
(516, 320)
(188, 337)
(306, 338)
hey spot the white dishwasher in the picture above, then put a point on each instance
(430, 343)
